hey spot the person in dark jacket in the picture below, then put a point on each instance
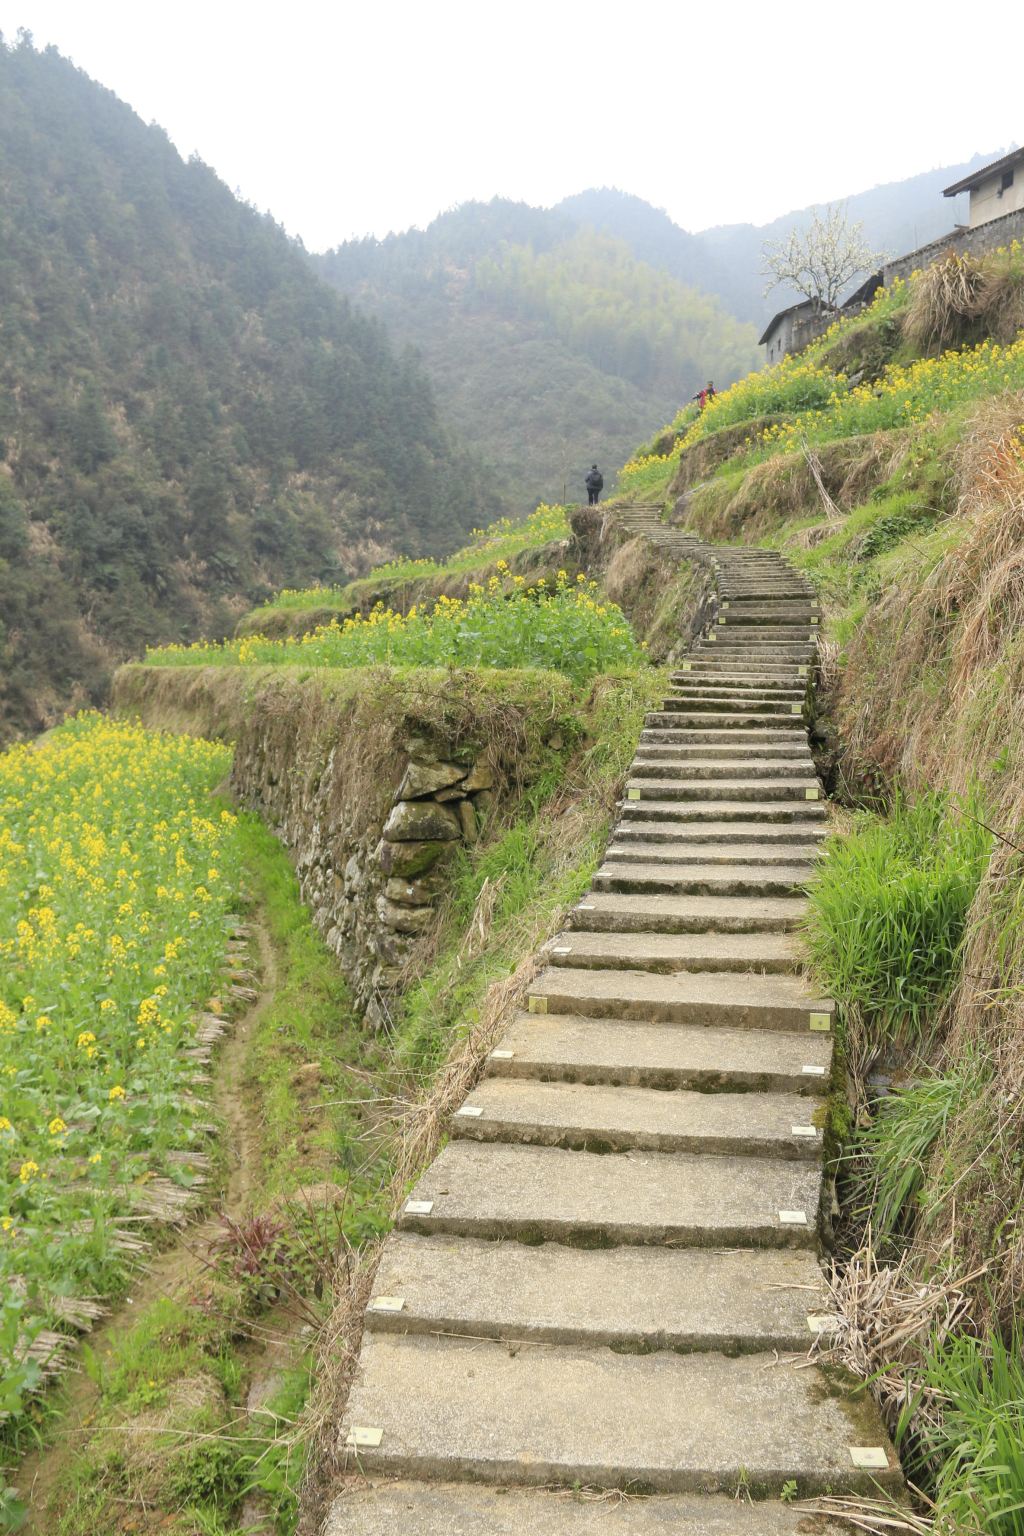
(595, 485)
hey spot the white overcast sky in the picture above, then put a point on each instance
(348, 119)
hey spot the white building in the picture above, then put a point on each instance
(995, 189)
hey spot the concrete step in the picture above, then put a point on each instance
(754, 854)
(780, 732)
(598, 1118)
(681, 811)
(718, 696)
(670, 952)
(569, 1415)
(739, 999)
(765, 789)
(712, 666)
(617, 913)
(735, 681)
(574, 1048)
(686, 834)
(775, 612)
(629, 1298)
(718, 700)
(490, 1189)
(752, 711)
(749, 767)
(691, 878)
(389, 1507)
(737, 648)
(793, 745)
(749, 688)
(695, 720)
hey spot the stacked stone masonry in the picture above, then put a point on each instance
(609, 1278)
(372, 884)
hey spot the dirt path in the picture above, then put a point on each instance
(176, 1272)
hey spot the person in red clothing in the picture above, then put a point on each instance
(705, 396)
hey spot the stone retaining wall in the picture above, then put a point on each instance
(372, 887)
(371, 781)
(986, 237)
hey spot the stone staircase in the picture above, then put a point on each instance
(609, 1277)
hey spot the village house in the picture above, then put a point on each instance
(996, 217)
(996, 190)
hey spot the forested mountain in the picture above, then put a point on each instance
(726, 261)
(188, 415)
(549, 345)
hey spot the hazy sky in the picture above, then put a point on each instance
(349, 119)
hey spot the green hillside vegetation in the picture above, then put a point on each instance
(888, 463)
(550, 346)
(189, 418)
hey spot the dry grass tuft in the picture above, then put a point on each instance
(931, 695)
(1001, 300)
(884, 1316)
(943, 307)
(938, 638)
(336, 1352)
(871, 1515)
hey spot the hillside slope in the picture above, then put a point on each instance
(549, 346)
(188, 417)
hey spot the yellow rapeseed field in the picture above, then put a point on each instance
(116, 871)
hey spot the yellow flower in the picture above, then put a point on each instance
(117, 1092)
(27, 1171)
(56, 1126)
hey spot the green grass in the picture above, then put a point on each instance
(887, 914)
(972, 1453)
(309, 1020)
(893, 1152)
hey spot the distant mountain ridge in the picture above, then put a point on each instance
(550, 345)
(189, 418)
(726, 260)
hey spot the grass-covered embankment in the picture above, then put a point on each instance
(566, 625)
(531, 548)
